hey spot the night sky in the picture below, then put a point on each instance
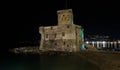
(22, 19)
(96, 17)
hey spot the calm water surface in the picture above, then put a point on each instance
(37, 62)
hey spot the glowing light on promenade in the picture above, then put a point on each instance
(87, 42)
(111, 42)
(103, 43)
(98, 44)
(93, 43)
(115, 44)
(118, 41)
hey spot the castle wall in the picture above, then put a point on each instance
(62, 38)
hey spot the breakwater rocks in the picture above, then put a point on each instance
(35, 50)
(25, 50)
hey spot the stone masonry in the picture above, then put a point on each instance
(63, 37)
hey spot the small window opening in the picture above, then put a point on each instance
(68, 26)
(46, 35)
(63, 34)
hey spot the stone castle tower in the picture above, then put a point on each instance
(65, 36)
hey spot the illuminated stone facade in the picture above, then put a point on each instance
(63, 37)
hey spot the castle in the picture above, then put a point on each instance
(65, 36)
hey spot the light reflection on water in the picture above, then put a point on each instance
(36, 62)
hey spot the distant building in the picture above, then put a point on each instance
(97, 38)
(102, 42)
(65, 36)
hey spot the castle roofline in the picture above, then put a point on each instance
(79, 26)
(64, 10)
